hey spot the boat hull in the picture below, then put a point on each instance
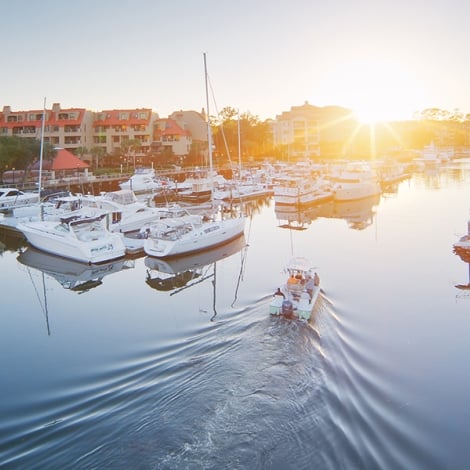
(44, 237)
(207, 236)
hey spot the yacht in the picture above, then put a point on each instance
(354, 181)
(301, 191)
(190, 233)
(11, 198)
(84, 239)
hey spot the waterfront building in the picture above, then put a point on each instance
(68, 128)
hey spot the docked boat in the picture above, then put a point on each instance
(11, 198)
(84, 239)
(299, 191)
(145, 180)
(296, 299)
(126, 213)
(188, 234)
(354, 181)
(191, 233)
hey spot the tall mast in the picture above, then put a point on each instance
(41, 153)
(209, 133)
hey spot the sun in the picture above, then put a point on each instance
(376, 90)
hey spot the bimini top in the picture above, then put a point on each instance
(299, 263)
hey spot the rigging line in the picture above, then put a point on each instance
(221, 123)
(43, 307)
(240, 273)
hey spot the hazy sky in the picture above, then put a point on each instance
(382, 58)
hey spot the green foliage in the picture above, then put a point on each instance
(20, 153)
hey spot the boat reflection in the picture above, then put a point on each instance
(175, 274)
(11, 241)
(70, 274)
(300, 218)
(358, 214)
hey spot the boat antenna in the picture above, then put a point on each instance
(41, 152)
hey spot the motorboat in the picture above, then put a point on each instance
(14, 197)
(182, 235)
(70, 274)
(300, 191)
(354, 181)
(125, 212)
(78, 237)
(145, 180)
(296, 299)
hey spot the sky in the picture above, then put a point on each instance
(383, 59)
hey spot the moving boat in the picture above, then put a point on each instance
(296, 299)
(84, 239)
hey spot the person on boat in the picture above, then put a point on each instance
(292, 280)
(279, 292)
(316, 279)
(309, 286)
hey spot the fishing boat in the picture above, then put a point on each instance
(84, 239)
(296, 299)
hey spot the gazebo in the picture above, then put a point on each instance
(64, 163)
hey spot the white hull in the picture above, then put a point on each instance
(301, 192)
(354, 191)
(10, 198)
(90, 249)
(299, 295)
(207, 235)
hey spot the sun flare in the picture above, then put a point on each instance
(376, 90)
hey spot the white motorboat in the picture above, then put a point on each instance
(84, 239)
(296, 299)
(354, 181)
(126, 213)
(11, 198)
(299, 191)
(190, 233)
(144, 180)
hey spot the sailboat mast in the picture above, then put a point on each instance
(41, 152)
(209, 133)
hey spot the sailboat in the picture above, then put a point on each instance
(191, 233)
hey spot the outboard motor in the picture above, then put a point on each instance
(287, 308)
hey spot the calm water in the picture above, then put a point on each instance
(134, 369)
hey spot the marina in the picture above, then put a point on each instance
(177, 363)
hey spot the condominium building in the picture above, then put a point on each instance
(111, 128)
(68, 128)
(309, 131)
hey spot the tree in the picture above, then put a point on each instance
(97, 153)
